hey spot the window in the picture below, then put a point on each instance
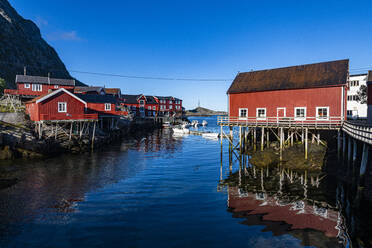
(322, 113)
(170, 107)
(142, 102)
(349, 113)
(36, 87)
(170, 102)
(243, 113)
(27, 86)
(107, 106)
(154, 108)
(55, 86)
(149, 107)
(62, 107)
(300, 113)
(354, 83)
(261, 113)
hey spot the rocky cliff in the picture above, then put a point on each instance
(21, 45)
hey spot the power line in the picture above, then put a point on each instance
(154, 78)
(146, 77)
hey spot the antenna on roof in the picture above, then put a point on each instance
(198, 103)
(24, 70)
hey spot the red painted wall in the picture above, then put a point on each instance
(271, 100)
(48, 109)
(100, 108)
(45, 88)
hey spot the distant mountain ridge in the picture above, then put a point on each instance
(200, 111)
(21, 45)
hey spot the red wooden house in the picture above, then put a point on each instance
(303, 93)
(63, 105)
(169, 106)
(58, 105)
(33, 86)
(115, 92)
(141, 105)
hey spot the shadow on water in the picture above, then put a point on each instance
(322, 208)
(48, 190)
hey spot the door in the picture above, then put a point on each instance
(280, 113)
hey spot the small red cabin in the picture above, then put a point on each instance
(33, 86)
(58, 105)
(306, 92)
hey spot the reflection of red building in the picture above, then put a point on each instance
(298, 216)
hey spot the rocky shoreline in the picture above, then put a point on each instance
(20, 142)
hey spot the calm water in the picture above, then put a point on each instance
(165, 191)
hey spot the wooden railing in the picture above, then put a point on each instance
(45, 117)
(313, 122)
(358, 130)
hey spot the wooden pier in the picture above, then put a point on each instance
(284, 129)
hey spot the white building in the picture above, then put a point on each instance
(355, 109)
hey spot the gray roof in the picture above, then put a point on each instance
(132, 99)
(97, 98)
(167, 98)
(88, 89)
(44, 80)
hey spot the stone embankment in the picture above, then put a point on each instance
(20, 141)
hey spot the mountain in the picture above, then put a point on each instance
(199, 111)
(21, 45)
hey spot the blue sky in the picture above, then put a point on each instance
(198, 39)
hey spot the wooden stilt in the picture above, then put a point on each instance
(339, 142)
(306, 142)
(262, 138)
(221, 137)
(302, 136)
(72, 123)
(355, 150)
(267, 139)
(281, 134)
(312, 138)
(56, 132)
(254, 138)
(318, 135)
(363, 165)
(343, 143)
(292, 133)
(240, 140)
(94, 133)
(349, 148)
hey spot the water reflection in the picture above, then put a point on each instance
(49, 191)
(298, 203)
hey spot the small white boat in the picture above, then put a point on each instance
(167, 124)
(204, 123)
(211, 135)
(181, 130)
(195, 123)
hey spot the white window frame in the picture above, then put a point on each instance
(56, 86)
(321, 118)
(261, 118)
(170, 102)
(149, 108)
(27, 86)
(142, 102)
(37, 87)
(300, 118)
(107, 106)
(154, 108)
(242, 117)
(170, 107)
(64, 109)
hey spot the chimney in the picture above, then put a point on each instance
(24, 70)
(48, 77)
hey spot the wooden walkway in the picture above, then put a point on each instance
(358, 130)
(330, 123)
